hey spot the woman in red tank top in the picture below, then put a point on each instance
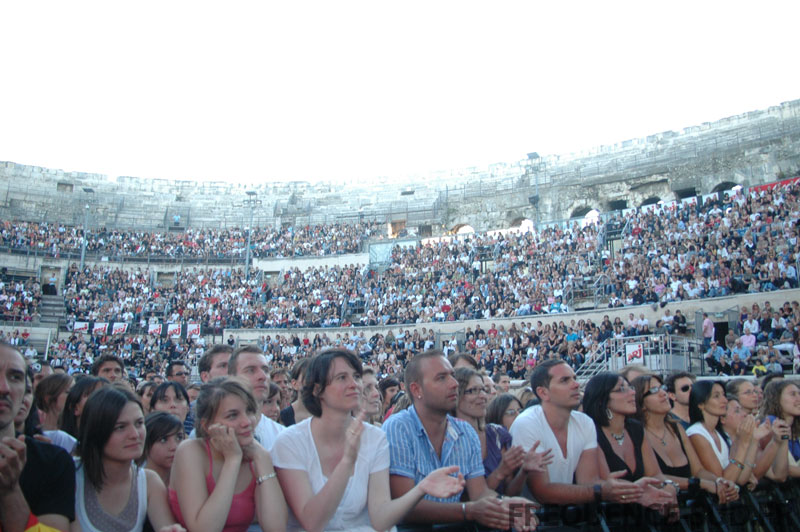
(224, 479)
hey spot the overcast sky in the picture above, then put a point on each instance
(256, 91)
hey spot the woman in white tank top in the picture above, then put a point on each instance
(112, 493)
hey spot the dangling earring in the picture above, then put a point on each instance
(609, 414)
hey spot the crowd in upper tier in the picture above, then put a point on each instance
(736, 244)
(302, 241)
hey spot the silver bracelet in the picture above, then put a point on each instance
(260, 480)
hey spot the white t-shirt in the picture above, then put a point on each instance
(267, 431)
(531, 425)
(295, 449)
(723, 454)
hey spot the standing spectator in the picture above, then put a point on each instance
(708, 331)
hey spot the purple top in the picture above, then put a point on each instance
(497, 440)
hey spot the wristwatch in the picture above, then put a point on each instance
(598, 493)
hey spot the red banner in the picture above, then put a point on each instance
(770, 186)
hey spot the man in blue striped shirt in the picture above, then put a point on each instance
(425, 437)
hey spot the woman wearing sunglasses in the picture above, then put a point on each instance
(674, 453)
(504, 464)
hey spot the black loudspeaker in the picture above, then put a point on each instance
(534, 200)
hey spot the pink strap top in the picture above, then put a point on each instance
(243, 505)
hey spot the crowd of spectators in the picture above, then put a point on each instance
(304, 241)
(669, 439)
(738, 242)
(20, 298)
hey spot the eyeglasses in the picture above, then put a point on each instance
(623, 389)
(655, 389)
(180, 374)
(512, 411)
(476, 390)
(686, 387)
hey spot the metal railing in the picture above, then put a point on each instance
(661, 353)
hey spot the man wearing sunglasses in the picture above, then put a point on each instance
(679, 386)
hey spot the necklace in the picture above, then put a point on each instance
(661, 438)
(619, 437)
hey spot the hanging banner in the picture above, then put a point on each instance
(119, 328)
(192, 330)
(634, 353)
(154, 329)
(99, 327)
(80, 327)
(174, 330)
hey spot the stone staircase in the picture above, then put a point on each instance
(53, 312)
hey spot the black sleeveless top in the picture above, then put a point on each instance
(615, 463)
(684, 471)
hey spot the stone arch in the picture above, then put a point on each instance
(462, 229)
(652, 200)
(617, 205)
(522, 223)
(580, 212)
(725, 185)
(684, 193)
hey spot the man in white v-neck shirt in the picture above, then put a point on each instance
(574, 476)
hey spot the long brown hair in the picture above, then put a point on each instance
(772, 403)
(642, 384)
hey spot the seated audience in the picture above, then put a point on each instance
(674, 453)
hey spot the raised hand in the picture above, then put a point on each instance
(781, 431)
(12, 462)
(762, 429)
(511, 460)
(223, 440)
(534, 461)
(744, 432)
(352, 440)
(442, 483)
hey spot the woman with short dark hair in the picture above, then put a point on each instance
(170, 397)
(333, 468)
